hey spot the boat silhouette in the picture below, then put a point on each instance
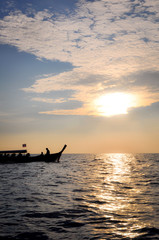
(10, 156)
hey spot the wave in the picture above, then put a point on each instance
(147, 233)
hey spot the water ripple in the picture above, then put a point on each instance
(104, 196)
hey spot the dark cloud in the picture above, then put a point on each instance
(149, 79)
(141, 79)
(91, 79)
(139, 9)
(146, 40)
(146, 112)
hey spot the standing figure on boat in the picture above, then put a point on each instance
(47, 151)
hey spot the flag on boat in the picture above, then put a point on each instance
(24, 145)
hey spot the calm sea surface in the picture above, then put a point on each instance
(104, 196)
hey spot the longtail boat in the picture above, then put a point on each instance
(10, 156)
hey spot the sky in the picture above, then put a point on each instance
(79, 72)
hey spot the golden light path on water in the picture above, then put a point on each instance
(120, 188)
(86, 196)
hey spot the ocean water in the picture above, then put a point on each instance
(85, 196)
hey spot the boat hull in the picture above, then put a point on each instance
(55, 157)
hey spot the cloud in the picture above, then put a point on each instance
(87, 87)
(150, 79)
(95, 35)
(80, 82)
(105, 41)
(78, 111)
(147, 112)
(48, 100)
(4, 114)
(76, 79)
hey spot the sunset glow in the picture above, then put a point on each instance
(83, 73)
(115, 104)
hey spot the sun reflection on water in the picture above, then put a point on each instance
(119, 193)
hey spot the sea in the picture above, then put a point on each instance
(85, 196)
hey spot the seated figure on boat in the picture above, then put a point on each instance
(47, 151)
(27, 155)
(13, 155)
(19, 155)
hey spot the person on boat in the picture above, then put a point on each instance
(27, 155)
(13, 155)
(47, 151)
(19, 155)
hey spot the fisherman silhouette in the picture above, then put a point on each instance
(19, 155)
(27, 155)
(47, 151)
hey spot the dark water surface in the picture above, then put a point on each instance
(105, 196)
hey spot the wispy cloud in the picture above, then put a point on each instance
(105, 41)
(78, 111)
(48, 100)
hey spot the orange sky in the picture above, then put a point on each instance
(82, 73)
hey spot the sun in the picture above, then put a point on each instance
(114, 103)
